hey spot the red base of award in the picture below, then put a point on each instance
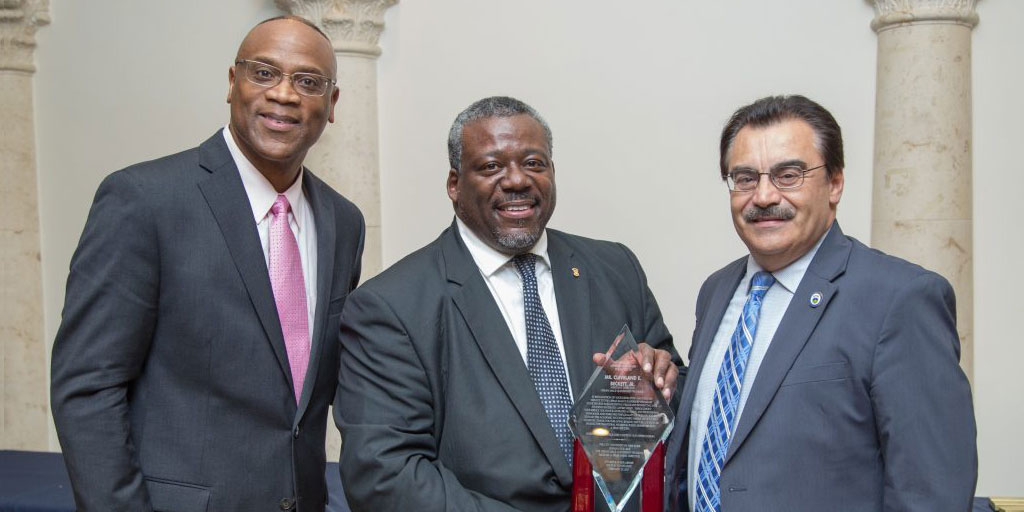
(652, 483)
(582, 480)
(652, 486)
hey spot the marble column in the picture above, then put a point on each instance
(346, 156)
(23, 374)
(921, 205)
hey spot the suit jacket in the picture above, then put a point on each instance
(171, 388)
(859, 404)
(434, 401)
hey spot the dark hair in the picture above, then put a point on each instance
(300, 19)
(775, 109)
(495, 106)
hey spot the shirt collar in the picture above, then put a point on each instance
(791, 275)
(489, 260)
(261, 193)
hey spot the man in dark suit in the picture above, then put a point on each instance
(198, 351)
(453, 391)
(823, 374)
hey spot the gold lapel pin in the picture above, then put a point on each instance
(575, 272)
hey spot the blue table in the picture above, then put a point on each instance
(34, 482)
(38, 482)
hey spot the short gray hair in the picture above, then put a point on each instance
(495, 106)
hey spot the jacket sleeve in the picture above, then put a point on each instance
(922, 401)
(101, 346)
(385, 412)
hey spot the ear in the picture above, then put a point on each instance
(453, 185)
(835, 188)
(335, 94)
(231, 81)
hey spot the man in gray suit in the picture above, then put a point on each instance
(198, 352)
(459, 363)
(824, 374)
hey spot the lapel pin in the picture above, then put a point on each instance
(815, 299)
(575, 272)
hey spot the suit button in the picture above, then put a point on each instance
(287, 503)
(295, 432)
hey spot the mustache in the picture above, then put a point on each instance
(517, 196)
(775, 211)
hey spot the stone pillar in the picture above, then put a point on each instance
(346, 156)
(921, 205)
(23, 373)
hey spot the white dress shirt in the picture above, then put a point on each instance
(502, 278)
(261, 198)
(773, 307)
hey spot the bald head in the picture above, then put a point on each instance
(295, 29)
(299, 19)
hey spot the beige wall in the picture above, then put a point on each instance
(636, 98)
(635, 92)
(998, 247)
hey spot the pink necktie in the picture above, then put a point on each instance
(289, 291)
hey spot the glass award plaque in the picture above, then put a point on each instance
(619, 422)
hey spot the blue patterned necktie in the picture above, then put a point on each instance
(543, 359)
(722, 421)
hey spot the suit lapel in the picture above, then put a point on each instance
(712, 318)
(326, 232)
(795, 329)
(488, 328)
(712, 315)
(572, 293)
(226, 196)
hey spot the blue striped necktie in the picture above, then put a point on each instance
(722, 421)
(543, 358)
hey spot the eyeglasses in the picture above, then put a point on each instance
(265, 75)
(787, 177)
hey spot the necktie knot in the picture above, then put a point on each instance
(526, 264)
(281, 206)
(760, 283)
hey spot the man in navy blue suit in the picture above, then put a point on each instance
(823, 374)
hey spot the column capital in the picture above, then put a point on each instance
(354, 26)
(19, 20)
(892, 13)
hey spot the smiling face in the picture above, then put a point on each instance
(780, 226)
(275, 126)
(505, 188)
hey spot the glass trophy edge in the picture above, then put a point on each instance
(602, 486)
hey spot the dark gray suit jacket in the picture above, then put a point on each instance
(859, 404)
(434, 402)
(171, 386)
